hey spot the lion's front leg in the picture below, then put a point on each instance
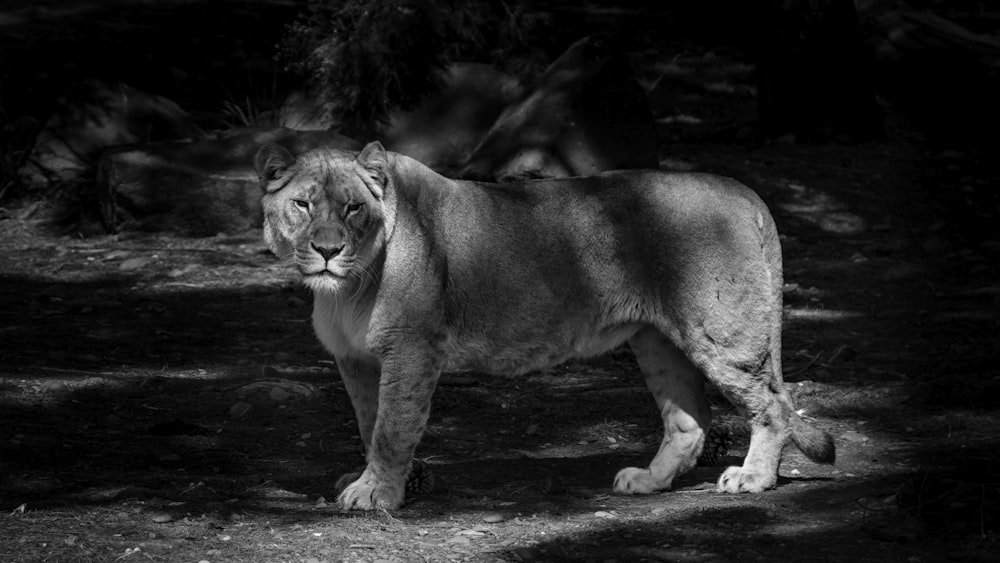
(404, 400)
(361, 380)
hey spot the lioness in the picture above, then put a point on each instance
(415, 274)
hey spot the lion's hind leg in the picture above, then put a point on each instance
(679, 390)
(773, 423)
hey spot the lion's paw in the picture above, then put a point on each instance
(637, 481)
(346, 479)
(370, 493)
(739, 480)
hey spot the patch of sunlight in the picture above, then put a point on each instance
(671, 69)
(825, 315)
(682, 118)
(822, 210)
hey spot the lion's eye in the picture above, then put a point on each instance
(354, 208)
(301, 203)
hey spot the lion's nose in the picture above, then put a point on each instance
(327, 252)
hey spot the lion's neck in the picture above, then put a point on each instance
(341, 321)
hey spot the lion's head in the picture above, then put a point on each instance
(324, 212)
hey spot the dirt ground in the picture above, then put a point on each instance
(164, 399)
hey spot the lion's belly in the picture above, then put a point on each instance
(483, 354)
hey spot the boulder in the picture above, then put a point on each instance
(197, 188)
(586, 114)
(440, 131)
(443, 129)
(93, 117)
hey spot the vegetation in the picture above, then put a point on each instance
(376, 55)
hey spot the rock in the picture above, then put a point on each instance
(135, 264)
(196, 188)
(162, 518)
(94, 116)
(853, 436)
(278, 395)
(586, 115)
(494, 518)
(239, 409)
(283, 388)
(443, 129)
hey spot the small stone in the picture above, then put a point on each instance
(135, 263)
(852, 436)
(116, 254)
(278, 395)
(240, 409)
(494, 518)
(179, 272)
(162, 518)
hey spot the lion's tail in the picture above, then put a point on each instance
(815, 443)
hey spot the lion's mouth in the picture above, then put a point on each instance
(328, 274)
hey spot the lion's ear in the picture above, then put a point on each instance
(373, 158)
(271, 159)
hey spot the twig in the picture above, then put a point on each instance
(805, 367)
(79, 372)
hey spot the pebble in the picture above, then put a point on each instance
(239, 409)
(135, 263)
(494, 518)
(852, 436)
(116, 254)
(277, 394)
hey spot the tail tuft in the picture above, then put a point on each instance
(817, 444)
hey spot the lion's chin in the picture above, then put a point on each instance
(325, 282)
